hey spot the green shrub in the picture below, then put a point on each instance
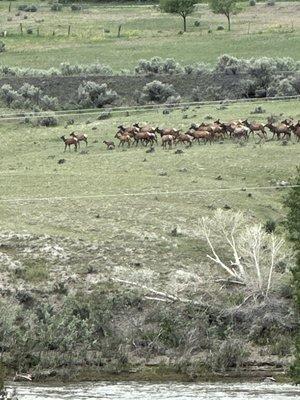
(220, 28)
(48, 121)
(270, 226)
(158, 66)
(56, 7)
(282, 88)
(252, 3)
(197, 94)
(22, 7)
(76, 7)
(230, 354)
(2, 47)
(27, 8)
(92, 94)
(77, 69)
(157, 92)
(27, 97)
(271, 3)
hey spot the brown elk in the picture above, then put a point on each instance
(130, 130)
(296, 129)
(167, 140)
(256, 127)
(110, 145)
(81, 137)
(123, 138)
(144, 138)
(69, 142)
(184, 138)
(278, 130)
(168, 131)
(241, 132)
(146, 128)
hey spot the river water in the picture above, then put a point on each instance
(154, 391)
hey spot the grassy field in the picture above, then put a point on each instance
(29, 168)
(145, 33)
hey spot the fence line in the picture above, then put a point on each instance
(148, 107)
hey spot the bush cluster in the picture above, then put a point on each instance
(56, 7)
(159, 92)
(99, 325)
(47, 121)
(230, 78)
(92, 94)
(27, 97)
(76, 7)
(65, 69)
(27, 8)
(158, 66)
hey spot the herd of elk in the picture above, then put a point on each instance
(198, 133)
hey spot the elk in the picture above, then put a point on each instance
(296, 130)
(167, 140)
(81, 137)
(69, 142)
(198, 135)
(279, 129)
(123, 138)
(241, 132)
(146, 128)
(144, 138)
(110, 145)
(184, 138)
(168, 131)
(256, 127)
(130, 130)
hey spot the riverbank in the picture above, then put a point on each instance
(161, 373)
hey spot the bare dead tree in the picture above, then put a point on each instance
(252, 253)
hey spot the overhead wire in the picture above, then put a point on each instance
(139, 194)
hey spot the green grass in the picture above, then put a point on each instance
(29, 169)
(146, 33)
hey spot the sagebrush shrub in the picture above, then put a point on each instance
(77, 69)
(27, 97)
(92, 94)
(76, 7)
(158, 66)
(48, 121)
(158, 92)
(56, 7)
(230, 354)
(27, 8)
(282, 88)
(197, 94)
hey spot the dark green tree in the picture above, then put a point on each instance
(225, 7)
(180, 7)
(292, 202)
